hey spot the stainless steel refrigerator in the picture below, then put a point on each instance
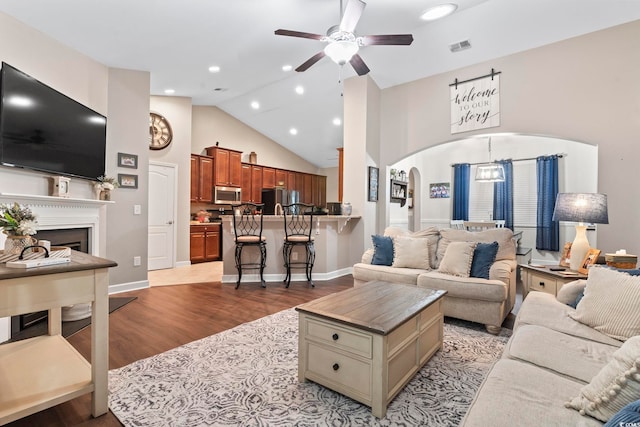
(273, 196)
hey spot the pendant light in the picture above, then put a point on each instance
(490, 172)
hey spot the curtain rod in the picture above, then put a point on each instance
(560, 155)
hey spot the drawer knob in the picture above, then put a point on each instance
(542, 284)
(336, 366)
(335, 337)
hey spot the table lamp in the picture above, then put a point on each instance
(583, 208)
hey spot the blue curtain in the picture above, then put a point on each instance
(503, 195)
(547, 230)
(461, 173)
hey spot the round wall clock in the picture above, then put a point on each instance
(160, 133)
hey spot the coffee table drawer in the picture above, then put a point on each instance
(345, 374)
(542, 283)
(339, 337)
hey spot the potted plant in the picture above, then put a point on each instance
(19, 224)
(104, 186)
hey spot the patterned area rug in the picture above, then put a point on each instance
(248, 376)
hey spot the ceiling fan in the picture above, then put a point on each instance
(342, 43)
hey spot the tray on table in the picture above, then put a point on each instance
(55, 252)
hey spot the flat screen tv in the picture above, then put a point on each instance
(45, 130)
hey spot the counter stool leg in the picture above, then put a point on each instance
(287, 262)
(263, 261)
(311, 258)
(239, 263)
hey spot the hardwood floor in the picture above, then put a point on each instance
(165, 317)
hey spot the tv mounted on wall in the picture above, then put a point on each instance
(45, 130)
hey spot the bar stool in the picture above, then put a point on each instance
(298, 224)
(247, 227)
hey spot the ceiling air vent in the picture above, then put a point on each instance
(457, 47)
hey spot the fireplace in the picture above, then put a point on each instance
(75, 238)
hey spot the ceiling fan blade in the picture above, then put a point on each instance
(388, 39)
(298, 34)
(309, 62)
(352, 14)
(358, 64)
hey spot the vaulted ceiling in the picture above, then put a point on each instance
(178, 41)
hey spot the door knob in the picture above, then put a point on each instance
(169, 222)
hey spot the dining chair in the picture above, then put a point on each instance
(457, 224)
(479, 225)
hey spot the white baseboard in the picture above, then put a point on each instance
(183, 263)
(299, 277)
(126, 287)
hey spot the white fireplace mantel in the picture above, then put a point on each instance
(53, 213)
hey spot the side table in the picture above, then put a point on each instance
(543, 279)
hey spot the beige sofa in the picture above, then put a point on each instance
(557, 371)
(486, 301)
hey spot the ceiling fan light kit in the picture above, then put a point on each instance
(343, 45)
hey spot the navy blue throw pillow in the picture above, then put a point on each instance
(578, 298)
(483, 257)
(382, 250)
(627, 416)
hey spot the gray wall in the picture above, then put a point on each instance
(584, 89)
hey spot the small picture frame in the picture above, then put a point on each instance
(566, 255)
(127, 160)
(589, 259)
(373, 184)
(127, 181)
(440, 190)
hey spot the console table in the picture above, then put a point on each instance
(41, 372)
(543, 279)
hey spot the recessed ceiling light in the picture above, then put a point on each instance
(169, 91)
(287, 67)
(299, 90)
(255, 105)
(439, 11)
(214, 69)
(337, 121)
(293, 131)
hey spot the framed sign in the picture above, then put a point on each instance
(373, 183)
(475, 103)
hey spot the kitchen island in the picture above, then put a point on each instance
(334, 254)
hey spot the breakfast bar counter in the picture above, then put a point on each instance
(334, 257)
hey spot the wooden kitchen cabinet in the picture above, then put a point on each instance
(204, 243)
(268, 177)
(281, 178)
(201, 179)
(306, 195)
(227, 166)
(251, 183)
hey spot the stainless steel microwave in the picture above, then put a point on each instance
(226, 195)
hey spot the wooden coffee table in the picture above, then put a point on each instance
(368, 342)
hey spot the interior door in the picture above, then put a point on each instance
(162, 212)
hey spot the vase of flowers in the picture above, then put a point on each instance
(104, 186)
(19, 224)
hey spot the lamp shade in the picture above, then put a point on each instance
(588, 208)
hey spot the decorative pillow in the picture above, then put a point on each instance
(457, 259)
(632, 271)
(627, 416)
(570, 291)
(504, 237)
(382, 250)
(411, 252)
(483, 257)
(616, 385)
(610, 303)
(575, 303)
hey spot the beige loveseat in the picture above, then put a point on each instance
(486, 301)
(559, 371)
